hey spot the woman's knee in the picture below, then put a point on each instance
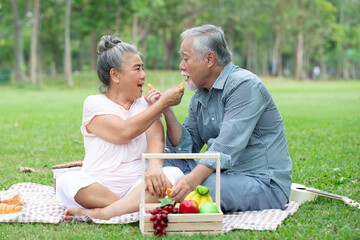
(63, 181)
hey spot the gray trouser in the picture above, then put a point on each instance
(238, 192)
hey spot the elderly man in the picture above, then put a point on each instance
(234, 114)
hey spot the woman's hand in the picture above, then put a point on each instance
(155, 181)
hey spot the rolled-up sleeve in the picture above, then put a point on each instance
(244, 105)
(185, 145)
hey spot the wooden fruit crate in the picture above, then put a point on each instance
(186, 224)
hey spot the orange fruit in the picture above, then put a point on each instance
(150, 86)
(168, 191)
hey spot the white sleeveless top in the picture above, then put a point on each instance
(116, 166)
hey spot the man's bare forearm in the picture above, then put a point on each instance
(173, 126)
(200, 173)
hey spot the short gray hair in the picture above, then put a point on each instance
(209, 38)
(111, 51)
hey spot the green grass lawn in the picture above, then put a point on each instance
(41, 128)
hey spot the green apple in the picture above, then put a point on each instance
(208, 207)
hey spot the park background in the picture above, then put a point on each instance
(48, 62)
(301, 39)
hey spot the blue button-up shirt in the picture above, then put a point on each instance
(239, 119)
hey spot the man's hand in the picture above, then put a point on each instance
(182, 188)
(188, 183)
(172, 96)
(155, 181)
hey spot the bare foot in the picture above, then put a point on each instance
(70, 213)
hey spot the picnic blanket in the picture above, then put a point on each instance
(41, 206)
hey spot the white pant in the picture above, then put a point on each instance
(69, 183)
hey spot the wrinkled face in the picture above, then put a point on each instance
(194, 69)
(132, 78)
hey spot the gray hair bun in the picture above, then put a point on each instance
(107, 42)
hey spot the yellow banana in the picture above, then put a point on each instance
(202, 201)
(200, 195)
(209, 199)
(197, 198)
(190, 196)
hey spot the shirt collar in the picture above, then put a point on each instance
(220, 81)
(203, 95)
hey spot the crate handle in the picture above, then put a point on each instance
(181, 156)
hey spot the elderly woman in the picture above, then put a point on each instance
(118, 126)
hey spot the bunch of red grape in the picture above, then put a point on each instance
(160, 218)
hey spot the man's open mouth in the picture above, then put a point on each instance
(186, 75)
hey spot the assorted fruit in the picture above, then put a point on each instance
(201, 195)
(198, 201)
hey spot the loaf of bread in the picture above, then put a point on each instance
(11, 198)
(6, 208)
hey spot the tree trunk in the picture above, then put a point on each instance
(299, 57)
(118, 18)
(353, 70)
(247, 50)
(40, 70)
(339, 67)
(192, 10)
(254, 57)
(264, 63)
(230, 40)
(82, 55)
(346, 74)
(145, 27)
(134, 29)
(156, 57)
(275, 53)
(19, 67)
(306, 73)
(52, 70)
(169, 46)
(93, 50)
(34, 43)
(67, 54)
(323, 71)
(143, 44)
(280, 65)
